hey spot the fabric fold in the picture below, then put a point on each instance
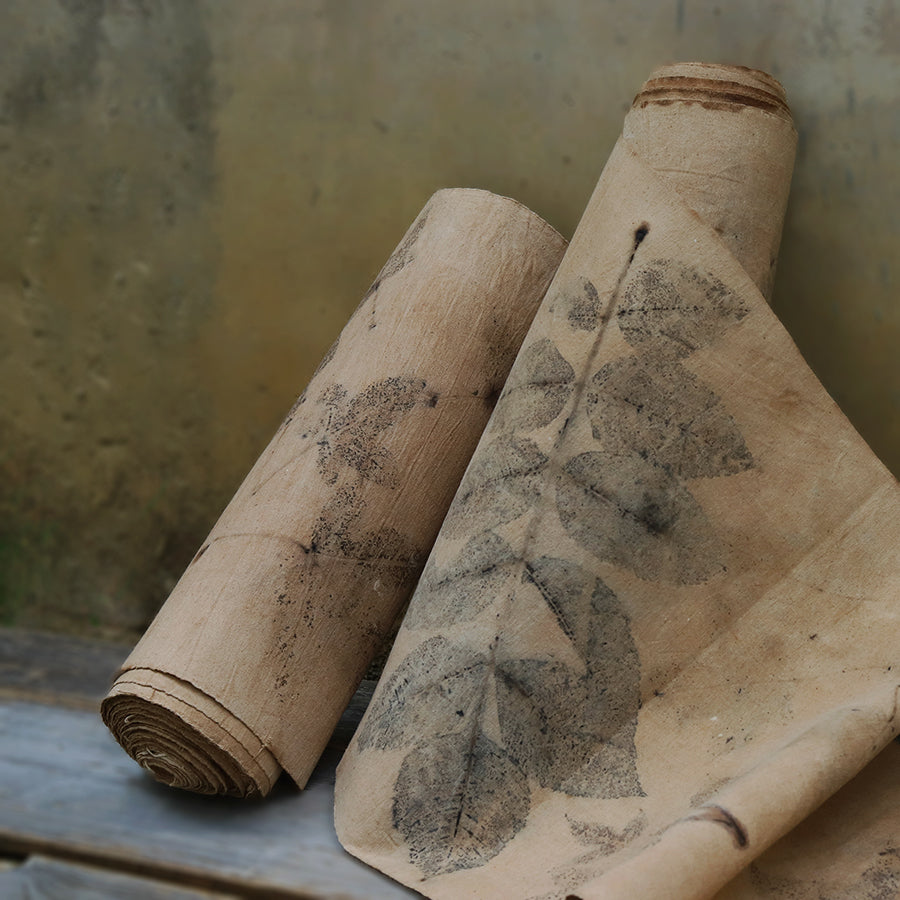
(658, 625)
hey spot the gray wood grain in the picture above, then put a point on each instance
(68, 790)
(50, 879)
(54, 668)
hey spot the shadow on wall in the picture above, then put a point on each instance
(197, 196)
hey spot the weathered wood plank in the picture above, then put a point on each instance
(68, 790)
(50, 879)
(77, 672)
(52, 668)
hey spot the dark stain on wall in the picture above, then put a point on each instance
(52, 74)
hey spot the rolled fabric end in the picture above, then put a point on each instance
(715, 84)
(722, 137)
(185, 739)
(248, 665)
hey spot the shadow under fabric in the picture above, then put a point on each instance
(254, 656)
(659, 624)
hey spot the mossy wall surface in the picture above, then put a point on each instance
(195, 195)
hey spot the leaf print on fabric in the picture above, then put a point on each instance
(537, 389)
(670, 310)
(560, 728)
(584, 310)
(500, 485)
(463, 791)
(435, 691)
(608, 770)
(337, 532)
(352, 427)
(628, 511)
(458, 802)
(538, 703)
(481, 728)
(613, 664)
(566, 588)
(603, 841)
(667, 415)
(466, 586)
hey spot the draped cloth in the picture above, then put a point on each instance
(659, 626)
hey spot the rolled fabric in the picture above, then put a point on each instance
(659, 624)
(250, 662)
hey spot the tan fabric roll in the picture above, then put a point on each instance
(659, 624)
(252, 659)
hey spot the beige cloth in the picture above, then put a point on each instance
(849, 849)
(255, 654)
(659, 626)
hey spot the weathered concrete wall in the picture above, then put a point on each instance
(196, 194)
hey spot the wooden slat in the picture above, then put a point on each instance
(68, 791)
(77, 672)
(53, 668)
(50, 879)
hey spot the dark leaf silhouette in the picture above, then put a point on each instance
(351, 428)
(613, 665)
(608, 769)
(603, 842)
(670, 309)
(584, 309)
(500, 485)
(667, 415)
(436, 690)
(461, 795)
(592, 617)
(603, 838)
(466, 586)
(539, 704)
(537, 390)
(566, 589)
(337, 532)
(558, 726)
(628, 511)
(458, 801)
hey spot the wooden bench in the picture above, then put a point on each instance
(79, 819)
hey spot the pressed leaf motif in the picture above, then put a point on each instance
(628, 511)
(564, 586)
(353, 426)
(584, 308)
(667, 415)
(669, 309)
(459, 801)
(537, 390)
(500, 485)
(467, 585)
(482, 726)
(434, 691)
